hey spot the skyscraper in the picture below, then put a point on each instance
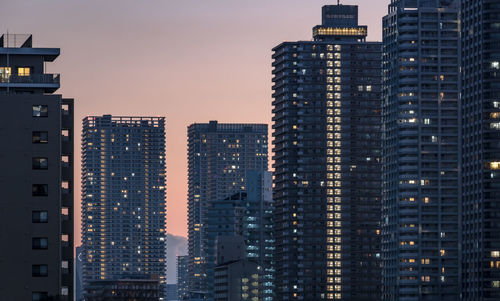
(182, 277)
(36, 205)
(123, 198)
(247, 214)
(480, 24)
(421, 185)
(327, 111)
(219, 155)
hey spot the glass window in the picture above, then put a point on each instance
(4, 74)
(40, 189)
(23, 71)
(40, 216)
(40, 243)
(40, 163)
(40, 296)
(39, 270)
(40, 137)
(40, 111)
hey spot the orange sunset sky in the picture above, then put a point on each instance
(191, 61)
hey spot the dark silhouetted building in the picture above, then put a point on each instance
(171, 292)
(247, 214)
(182, 277)
(219, 155)
(236, 276)
(421, 146)
(79, 274)
(480, 24)
(327, 154)
(123, 198)
(124, 290)
(36, 205)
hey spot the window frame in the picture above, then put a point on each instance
(38, 273)
(36, 165)
(39, 141)
(43, 111)
(41, 193)
(40, 247)
(37, 217)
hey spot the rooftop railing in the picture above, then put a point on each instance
(31, 79)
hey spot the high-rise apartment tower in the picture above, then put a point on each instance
(421, 151)
(480, 24)
(123, 198)
(326, 121)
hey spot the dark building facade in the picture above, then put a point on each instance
(326, 122)
(421, 147)
(480, 24)
(124, 290)
(182, 277)
(36, 205)
(249, 215)
(123, 198)
(219, 155)
(237, 278)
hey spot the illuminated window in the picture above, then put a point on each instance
(494, 165)
(23, 71)
(5, 73)
(495, 254)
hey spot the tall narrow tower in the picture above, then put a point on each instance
(480, 21)
(421, 151)
(123, 198)
(326, 122)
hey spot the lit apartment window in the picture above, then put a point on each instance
(39, 270)
(40, 163)
(40, 111)
(39, 216)
(39, 296)
(40, 189)
(40, 137)
(23, 71)
(5, 73)
(40, 243)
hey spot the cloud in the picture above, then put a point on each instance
(176, 245)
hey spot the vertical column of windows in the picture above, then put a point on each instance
(333, 175)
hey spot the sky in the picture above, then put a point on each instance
(190, 61)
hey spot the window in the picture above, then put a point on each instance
(40, 137)
(40, 190)
(65, 135)
(40, 111)
(23, 71)
(40, 296)
(40, 243)
(5, 74)
(40, 163)
(39, 270)
(39, 216)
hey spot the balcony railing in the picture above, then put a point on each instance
(36, 79)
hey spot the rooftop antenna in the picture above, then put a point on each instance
(338, 2)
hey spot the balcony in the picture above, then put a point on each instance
(48, 82)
